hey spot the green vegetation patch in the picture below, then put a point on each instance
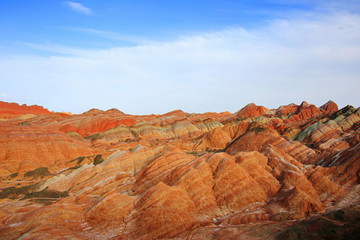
(78, 160)
(98, 159)
(14, 193)
(258, 129)
(24, 123)
(14, 175)
(30, 192)
(46, 194)
(93, 137)
(39, 172)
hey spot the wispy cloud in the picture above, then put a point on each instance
(285, 61)
(78, 7)
(55, 49)
(113, 35)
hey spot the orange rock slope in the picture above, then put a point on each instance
(11, 110)
(254, 174)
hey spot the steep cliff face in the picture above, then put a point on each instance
(110, 175)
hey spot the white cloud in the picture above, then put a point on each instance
(113, 35)
(286, 61)
(78, 7)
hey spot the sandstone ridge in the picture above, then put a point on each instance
(258, 173)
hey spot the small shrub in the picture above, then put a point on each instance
(13, 192)
(98, 159)
(46, 194)
(39, 172)
(14, 175)
(24, 123)
(258, 129)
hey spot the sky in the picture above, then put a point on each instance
(144, 57)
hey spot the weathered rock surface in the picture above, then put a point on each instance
(25, 148)
(255, 174)
(13, 110)
(251, 110)
(329, 108)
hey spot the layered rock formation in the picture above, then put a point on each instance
(251, 110)
(12, 110)
(110, 175)
(25, 148)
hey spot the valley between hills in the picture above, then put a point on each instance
(286, 173)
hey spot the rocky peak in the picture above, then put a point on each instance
(251, 110)
(329, 107)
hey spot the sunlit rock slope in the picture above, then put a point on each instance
(286, 173)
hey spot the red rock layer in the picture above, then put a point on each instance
(25, 148)
(329, 108)
(305, 111)
(251, 110)
(94, 124)
(12, 110)
(176, 175)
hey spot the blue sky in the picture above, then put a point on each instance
(80, 24)
(156, 56)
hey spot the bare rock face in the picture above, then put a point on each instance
(196, 178)
(110, 211)
(256, 164)
(163, 211)
(234, 188)
(305, 111)
(254, 140)
(159, 168)
(88, 125)
(251, 110)
(329, 108)
(255, 174)
(13, 110)
(25, 148)
(327, 190)
(345, 166)
(214, 139)
(293, 204)
(287, 110)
